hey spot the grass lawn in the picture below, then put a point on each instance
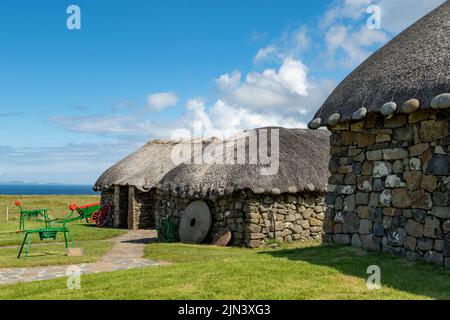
(80, 232)
(301, 271)
(53, 254)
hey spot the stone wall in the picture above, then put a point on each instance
(255, 219)
(144, 209)
(389, 187)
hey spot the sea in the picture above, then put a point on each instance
(45, 189)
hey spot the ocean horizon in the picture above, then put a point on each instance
(46, 189)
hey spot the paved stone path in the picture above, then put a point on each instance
(126, 254)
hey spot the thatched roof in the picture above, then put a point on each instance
(415, 64)
(143, 168)
(303, 166)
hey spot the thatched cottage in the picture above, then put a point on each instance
(129, 185)
(241, 195)
(389, 186)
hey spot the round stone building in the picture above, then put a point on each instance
(389, 185)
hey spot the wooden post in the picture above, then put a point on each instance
(132, 218)
(116, 206)
(7, 214)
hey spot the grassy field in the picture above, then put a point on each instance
(308, 271)
(86, 236)
(80, 232)
(53, 254)
(58, 205)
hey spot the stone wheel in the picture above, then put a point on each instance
(195, 223)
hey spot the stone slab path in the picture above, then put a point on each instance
(127, 253)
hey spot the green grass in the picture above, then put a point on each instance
(80, 232)
(58, 205)
(302, 271)
(54, 254)
(50, 253)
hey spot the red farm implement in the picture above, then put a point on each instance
(92, 213)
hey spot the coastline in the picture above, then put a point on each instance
(47, 190)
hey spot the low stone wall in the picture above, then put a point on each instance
(390, 188)
(255, 219)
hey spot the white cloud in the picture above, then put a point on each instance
(195, 103)
(293, 76)
(283, 97)
(345, 9)
(342, 40)
(161, 100)
(136, 126)
(356, 45)
(223, 120)
(348, 41)
(227, 81)
(269, 89)
(290, 44)
(265, 54)
(71, 163)
(396, 15)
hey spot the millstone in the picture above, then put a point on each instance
(195, 222)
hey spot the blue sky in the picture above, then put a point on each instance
(73, 102)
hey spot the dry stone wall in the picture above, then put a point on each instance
(144, 209)
(389, 188)
(255, 219)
